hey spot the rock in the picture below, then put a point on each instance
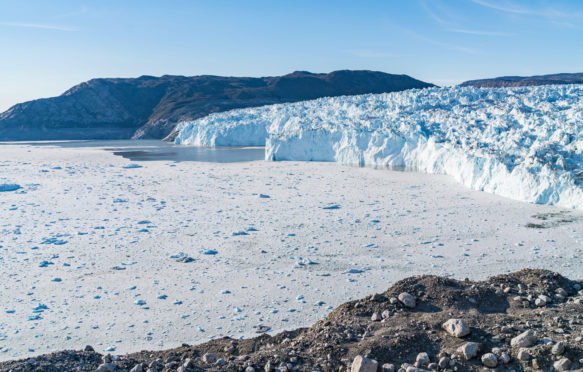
(468, 350)
(89, 349)
(268, 367)
(249, 369)
(407, 299)
(558, 348)
(443, 362)
(386, 314)
(546, 299)
(106, 367)
(181, 369)
(535, 364)
(504, 358)
(456, 327)
(188, 363)
(422, 359)
(561, 291)
(489, 360)
(525, 339)
(377, 298)
(563, 364)
(540, 303)
(361, 364)
(376, 317)
(137, 368)
(220, 362)
(209, 358)
(156, 364)
(387, 367)
(393, 300)
(523, 355)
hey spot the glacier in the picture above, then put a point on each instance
(522, 143)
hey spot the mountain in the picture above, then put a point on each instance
(519, 81)
(150, 107)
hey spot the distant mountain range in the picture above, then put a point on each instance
(150, 107)
(519, 81)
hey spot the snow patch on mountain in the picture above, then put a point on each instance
(522, 143)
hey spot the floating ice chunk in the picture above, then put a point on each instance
(355, 271)
(132, 166)
(6, 187)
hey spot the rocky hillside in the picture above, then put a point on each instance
(531, 320)
(519, 81)
(150, 107)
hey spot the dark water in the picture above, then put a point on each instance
(150, 150)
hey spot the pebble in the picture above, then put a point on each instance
(422, 359)
(209, 358)
(469, 350)
(558, 348)
(525, 339)
(563, 364)
(523, 355)
(443, 362)
(376, 317)
(489, 360)
(456, 327)
(106, 367)
(387, 367)
(137, 368)
(407, 299)
(362, 364)
(504, 358)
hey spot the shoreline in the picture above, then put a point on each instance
(390, 331)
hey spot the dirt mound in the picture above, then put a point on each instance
(528, 320)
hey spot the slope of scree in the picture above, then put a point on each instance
(388, 330)
(150, 107)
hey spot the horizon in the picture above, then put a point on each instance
(53, 47)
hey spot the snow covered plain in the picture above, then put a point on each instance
(521, 143)
(95, 249)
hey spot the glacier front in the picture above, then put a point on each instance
(522, 143)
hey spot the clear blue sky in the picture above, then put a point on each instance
(49, 46)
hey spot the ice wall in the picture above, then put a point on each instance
(522, 143)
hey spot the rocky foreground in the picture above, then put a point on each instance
(531, 320)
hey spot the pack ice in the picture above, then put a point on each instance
(522, 143)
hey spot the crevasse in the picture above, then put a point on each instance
(521, 143)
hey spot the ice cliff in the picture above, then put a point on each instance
(522, 143)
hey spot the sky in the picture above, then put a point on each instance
(48, 47)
